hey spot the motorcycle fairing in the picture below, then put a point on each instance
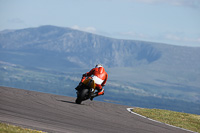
(89, 82)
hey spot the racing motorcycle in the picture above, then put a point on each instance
(86, 90)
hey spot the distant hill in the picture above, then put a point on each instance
(85, 49)
(146, 69)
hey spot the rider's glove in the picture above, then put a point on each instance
(84, 75)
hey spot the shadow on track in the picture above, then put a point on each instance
(66, 101)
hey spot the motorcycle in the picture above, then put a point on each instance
(86, 90)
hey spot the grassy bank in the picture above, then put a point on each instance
(7, 128)
(183, 120)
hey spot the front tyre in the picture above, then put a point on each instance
(78, 101)
(83, 95)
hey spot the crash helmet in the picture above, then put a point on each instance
(98, 65)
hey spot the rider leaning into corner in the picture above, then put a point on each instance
(99, 75)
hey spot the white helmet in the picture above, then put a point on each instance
(98, 65)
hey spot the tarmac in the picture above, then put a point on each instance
(60, 114)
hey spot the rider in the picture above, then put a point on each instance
(99, 75)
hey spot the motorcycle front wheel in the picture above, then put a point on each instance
(83, 95)
(78, 101)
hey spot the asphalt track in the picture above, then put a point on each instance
(59, 114)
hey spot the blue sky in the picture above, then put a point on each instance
(167, 21)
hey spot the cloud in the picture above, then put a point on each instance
(14, 23)
(182, 39)
(187, 3)
(170, 38)
(135, 35)
(86, 29)
(15, 20)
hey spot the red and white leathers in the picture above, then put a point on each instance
(99, 75)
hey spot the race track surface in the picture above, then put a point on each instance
(59, 114)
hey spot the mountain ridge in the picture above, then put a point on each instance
(76, 44)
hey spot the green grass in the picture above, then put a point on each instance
(7, 128)
(183, 120)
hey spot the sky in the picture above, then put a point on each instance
(174, 22)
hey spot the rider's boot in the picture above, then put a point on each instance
(93, 95)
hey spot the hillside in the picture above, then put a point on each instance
(78, 47)
(138, 70)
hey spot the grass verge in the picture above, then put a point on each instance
(7, 128)
(178, 119)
